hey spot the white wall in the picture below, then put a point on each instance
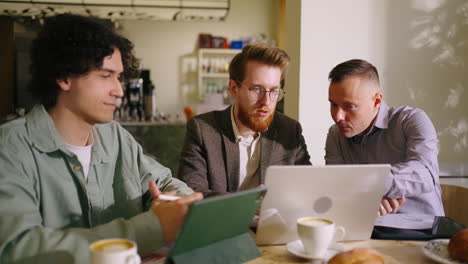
(169, 48)
(332, 31)
(420, 48)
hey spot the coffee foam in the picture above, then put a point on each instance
(112, 246)
(315, 222)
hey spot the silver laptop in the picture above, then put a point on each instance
(350, 195)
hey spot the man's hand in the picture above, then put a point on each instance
(155, 192)
(390, 205)
(171, 214)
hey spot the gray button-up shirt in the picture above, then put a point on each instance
(405, 138)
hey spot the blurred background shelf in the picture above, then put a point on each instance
(213, 69)
(163, 142)
(215, 75)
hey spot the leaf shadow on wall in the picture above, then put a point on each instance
(428, 44)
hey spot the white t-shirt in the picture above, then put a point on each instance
(84, 156)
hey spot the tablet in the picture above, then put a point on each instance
(216, 219)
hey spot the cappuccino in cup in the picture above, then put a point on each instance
(115, 251)
(317, 234)
(315, 222)
(112, 245)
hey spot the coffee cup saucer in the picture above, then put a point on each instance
(296, 248)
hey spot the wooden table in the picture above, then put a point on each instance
(392, 251)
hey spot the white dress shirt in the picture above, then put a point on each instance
(249, 157)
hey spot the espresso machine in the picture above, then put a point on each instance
(139, 101)
(149, 94)
(134, 99)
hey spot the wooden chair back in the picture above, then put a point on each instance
(455, 200)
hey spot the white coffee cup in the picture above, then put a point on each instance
(317, 234)
(114, 251)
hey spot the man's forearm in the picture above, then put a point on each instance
(409, 179)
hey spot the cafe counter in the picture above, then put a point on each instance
(163, 142)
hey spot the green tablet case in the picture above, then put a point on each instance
(216, 230)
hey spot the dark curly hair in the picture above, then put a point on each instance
(72, 45)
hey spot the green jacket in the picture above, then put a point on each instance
(49, 213)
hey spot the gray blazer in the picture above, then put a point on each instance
(209, 161)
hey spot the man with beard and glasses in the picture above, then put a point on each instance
(368, 131)
(229, 150)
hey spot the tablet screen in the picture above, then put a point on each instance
(218, 218)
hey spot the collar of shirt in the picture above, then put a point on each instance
(381, 122)
(383, 116)
(45, 137)
(239, 137)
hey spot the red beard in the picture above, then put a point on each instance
(257, 124)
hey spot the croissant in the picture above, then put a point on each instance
(357, 256)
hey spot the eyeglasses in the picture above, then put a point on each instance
(258, 92)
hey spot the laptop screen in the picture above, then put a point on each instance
(349, 195)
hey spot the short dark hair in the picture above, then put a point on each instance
(72, 45)
(355, 67)
(260, 53)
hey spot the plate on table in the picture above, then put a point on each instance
(437, 251)
(296, 248)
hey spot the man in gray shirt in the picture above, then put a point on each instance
(368, 131)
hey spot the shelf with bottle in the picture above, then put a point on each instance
(215, 91)
(218, 51)
(219, 75)
(213, 66)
